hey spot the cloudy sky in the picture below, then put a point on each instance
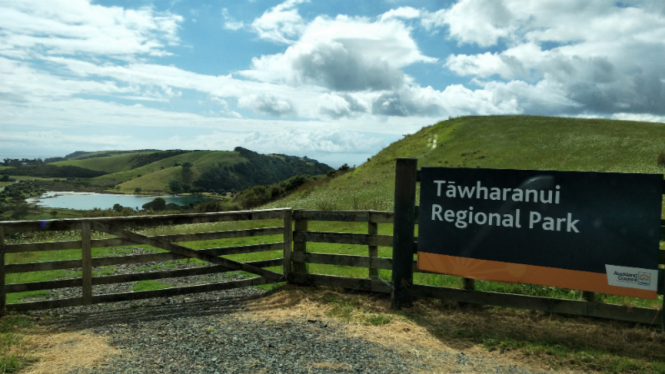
(332, 80)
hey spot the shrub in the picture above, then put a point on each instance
(661, 159)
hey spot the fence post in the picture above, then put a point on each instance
(588, 296)
(86, 262)
(3, 295)
(403, 231)
(288, 239)
(299, 246)
(372, 231)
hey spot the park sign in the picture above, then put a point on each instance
(587, 231)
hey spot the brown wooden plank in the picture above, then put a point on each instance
(550, 305)
(177, 273)
(327, 215)
(331, 259)
(42, 266)
(3, 296)
(588, 296)
(116, 242)
(253, 248)
(288, 240)
(299, 246)
(46, 285)
(169, 292)
(500, 299)
(271, 275)
(86, 262)
(381, 217)
(220, 234)
(142, 221)
(343, 238)
(362, 284)
(49, 304)
(372, 250)
(136, 259)
(59, 246)
(342, 260)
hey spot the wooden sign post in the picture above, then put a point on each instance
(403, 228)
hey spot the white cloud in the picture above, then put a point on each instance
(267, 104)
(70, 27)
(343, 54)
(405, 12)
(230, 23)
(601, 56)
(280, 23)
(295, 141)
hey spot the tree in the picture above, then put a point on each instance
(54, 213)
(137, 190)
(20, 212)
(156, 205)
(117, 207)
(5, 178)
(175, 186)
(187, 165)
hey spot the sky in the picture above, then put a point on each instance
(336, 81)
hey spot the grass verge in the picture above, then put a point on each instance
(537, 339)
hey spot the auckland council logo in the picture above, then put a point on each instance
(644, 279)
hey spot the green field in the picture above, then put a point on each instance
(155, 176)
(110, 164)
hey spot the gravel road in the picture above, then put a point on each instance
(211, 333)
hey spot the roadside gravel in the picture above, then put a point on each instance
(219, 332)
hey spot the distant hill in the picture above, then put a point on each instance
(173, 170)
(499, 142)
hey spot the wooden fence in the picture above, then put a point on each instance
(117, 227)
(296, 235)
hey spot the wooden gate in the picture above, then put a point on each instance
(118, 227)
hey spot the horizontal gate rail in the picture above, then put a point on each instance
(142, 221)
(111, 279)
(167, 292)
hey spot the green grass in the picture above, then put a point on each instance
(149, 285)
(12, 359)
(109, 164)
(155, 176)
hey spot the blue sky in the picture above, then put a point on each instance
(332, 80)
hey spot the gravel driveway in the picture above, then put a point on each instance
(229, 332)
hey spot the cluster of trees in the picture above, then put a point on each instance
(258, 170)
(53, 171)
(157, 205)
(142, 160)
(12, 198)
(15, 162)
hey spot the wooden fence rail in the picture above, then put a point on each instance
(295, 236)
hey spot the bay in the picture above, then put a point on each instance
(91, 200)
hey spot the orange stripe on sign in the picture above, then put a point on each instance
(518, 273)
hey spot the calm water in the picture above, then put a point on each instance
(91, 200)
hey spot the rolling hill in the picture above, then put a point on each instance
(500, 142)
(159, 171)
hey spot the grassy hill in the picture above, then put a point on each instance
(505, 142)
(156, 176)
(110, 164)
